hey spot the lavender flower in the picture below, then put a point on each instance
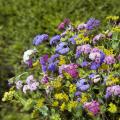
(53, 57)
(25, 88)
(33, 86)
(81, 26)
(39, 39)
(98, 38)
(62, 48)
(81, 85)
(55, 39)
(92, 23)
(72, 39)
(19, 84)
(109, 60)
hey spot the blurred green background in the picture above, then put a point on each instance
(21, 20)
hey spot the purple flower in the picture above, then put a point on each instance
(98, 38)
(81, 26)
(94, 66)
(109, 60)
(93, 107)
(72, 39)
(61, 26)
(113, 90)
(30, 79)
(92, 23)
(19, 84)
(66, 21)
(34, 86)
(45, 79)
(84, 64)
(53, 57)
(25, 88)
(39, 39)
(44, 59)
(55, 39)
(78, 93)
(62, 48)
(52, 67)
(81, 85)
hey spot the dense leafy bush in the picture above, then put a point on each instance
(76, 78)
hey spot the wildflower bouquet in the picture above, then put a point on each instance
(77, 79)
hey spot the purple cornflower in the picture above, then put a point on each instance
(55, 39)
(78, 93)
(92, 23)
(93, 107)
(98, 38)
(39, 39)
(19, 84)
(72, 39)
(109, 60)
(81, 85)
(61, 26)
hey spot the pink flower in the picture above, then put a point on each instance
(92, 107)
(109, 60)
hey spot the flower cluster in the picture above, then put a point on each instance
(79, 76)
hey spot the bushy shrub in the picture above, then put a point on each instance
(76, 78)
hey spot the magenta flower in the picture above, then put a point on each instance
(93, 107)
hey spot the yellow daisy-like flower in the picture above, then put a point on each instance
(72, 88)
(62, 107)
(72, 104)
(36, 63)
(67, 75)
(84, 98)
(112, 108)
(108, 51)
(55, 103)
(40, 103)
(112, 80)
(62, 60)
(116, 29)
(56, 83)
(61, 96)
(114, 18)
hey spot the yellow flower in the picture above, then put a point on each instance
(112, 108)
(40, 103)
(111, 80)
(104, 67)
(84, 98)
(67, 75)
(62, 107)
(108, 51)
(56, 83)
(8, 95)
(55, 103)
(72, 104)
(116, 65)
(61, 96)
(36, 63)
(114, 18)
(116, 29)
(62, 60)
(72, 88)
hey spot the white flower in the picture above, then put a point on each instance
(25, 88)
(27, 54)
(96, 80)
(94, 55)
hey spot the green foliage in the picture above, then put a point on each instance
(21, 20)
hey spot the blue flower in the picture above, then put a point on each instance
(39, 39)
(92, 23)
(94, 66)
(53, 57)
(72, 39)
(52, 67)
(55, 39)
(84, 64)
(82, 85)
(62, 48)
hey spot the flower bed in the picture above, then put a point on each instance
(79, 77)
